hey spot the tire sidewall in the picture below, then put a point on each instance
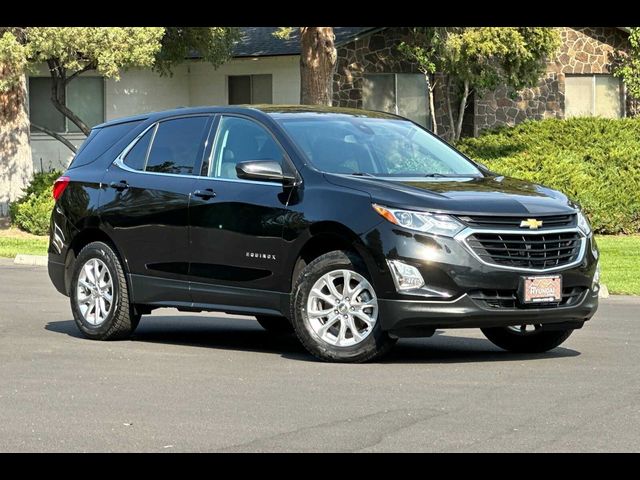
(102, 252)
(375, 342)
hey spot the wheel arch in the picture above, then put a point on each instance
(324, 237)
(81, 240)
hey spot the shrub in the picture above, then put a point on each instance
(32, 211)
(594, 161)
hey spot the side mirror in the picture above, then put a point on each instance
(264, 171)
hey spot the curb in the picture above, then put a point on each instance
(34, 260)
(603, 292)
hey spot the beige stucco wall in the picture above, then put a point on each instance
(192, 84)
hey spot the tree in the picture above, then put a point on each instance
(477, 59)
(421, 50)
(70, 52)
(16, 166)
(626, 65)
(317, 63)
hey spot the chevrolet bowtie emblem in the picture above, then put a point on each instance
(532, 223)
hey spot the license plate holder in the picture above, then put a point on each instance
(540, 289)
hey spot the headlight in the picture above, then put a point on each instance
(583, 224)
(434, 223)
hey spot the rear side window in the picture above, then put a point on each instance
(177, 146)
(138, 154)
(99, 141)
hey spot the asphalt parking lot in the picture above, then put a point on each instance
(212, 382)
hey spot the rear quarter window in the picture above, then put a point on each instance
(99, 141)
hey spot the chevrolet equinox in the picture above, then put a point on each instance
(351, 228)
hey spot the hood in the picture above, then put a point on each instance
(464, 195)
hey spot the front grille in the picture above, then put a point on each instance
(509, 298)
(537, 251)
(548, 222)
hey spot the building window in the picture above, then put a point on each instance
(400, 93)
(593, 95)
(248, 89)
(85, 98)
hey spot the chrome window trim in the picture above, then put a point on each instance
(119, 162)
(464, 234)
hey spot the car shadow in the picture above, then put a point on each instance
(247, 335)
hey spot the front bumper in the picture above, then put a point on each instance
(455, 280)
(464, 312)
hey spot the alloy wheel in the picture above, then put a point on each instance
(342, 308)
(94, 294)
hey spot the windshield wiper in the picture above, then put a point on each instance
(362, 174)
(451, 175)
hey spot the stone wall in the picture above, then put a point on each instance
(583, 50)
(373, 53)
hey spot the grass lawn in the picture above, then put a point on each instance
(14, 241)
(620, 263)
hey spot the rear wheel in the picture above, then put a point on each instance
(275, 324)
(335, 310)
(526, 338)
(99, 295)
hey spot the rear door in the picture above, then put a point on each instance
(236, 232)
(145, 207)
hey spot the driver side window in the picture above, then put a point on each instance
(240, 140)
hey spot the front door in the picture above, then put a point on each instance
(236, 225)
(145, 207)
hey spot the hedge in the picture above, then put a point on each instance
(32, 211)
(594, 161)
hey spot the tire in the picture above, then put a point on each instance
(373, 341)
(279, 325)
(121, 319)
(537, 341)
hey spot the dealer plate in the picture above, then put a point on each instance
(539, 289)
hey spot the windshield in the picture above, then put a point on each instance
(375, 146)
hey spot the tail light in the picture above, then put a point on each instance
(59, 186)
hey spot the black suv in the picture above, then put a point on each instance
(351, 228)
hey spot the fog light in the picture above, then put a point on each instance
(405, 277)
(595, 285)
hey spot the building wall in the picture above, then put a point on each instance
(583, 50)
(192, 84)
(374, 53)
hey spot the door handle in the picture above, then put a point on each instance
(121, 185)
(206, 193)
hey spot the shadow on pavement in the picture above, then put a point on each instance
(246, 335)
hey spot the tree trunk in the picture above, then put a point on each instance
(317, 62)
(55, 135)
(447, 96)
(59, 95)
(432, 104)
(461, 109)
(16, 166)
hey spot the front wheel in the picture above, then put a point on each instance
(99, 295)
(526, 338)
(335, 310)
